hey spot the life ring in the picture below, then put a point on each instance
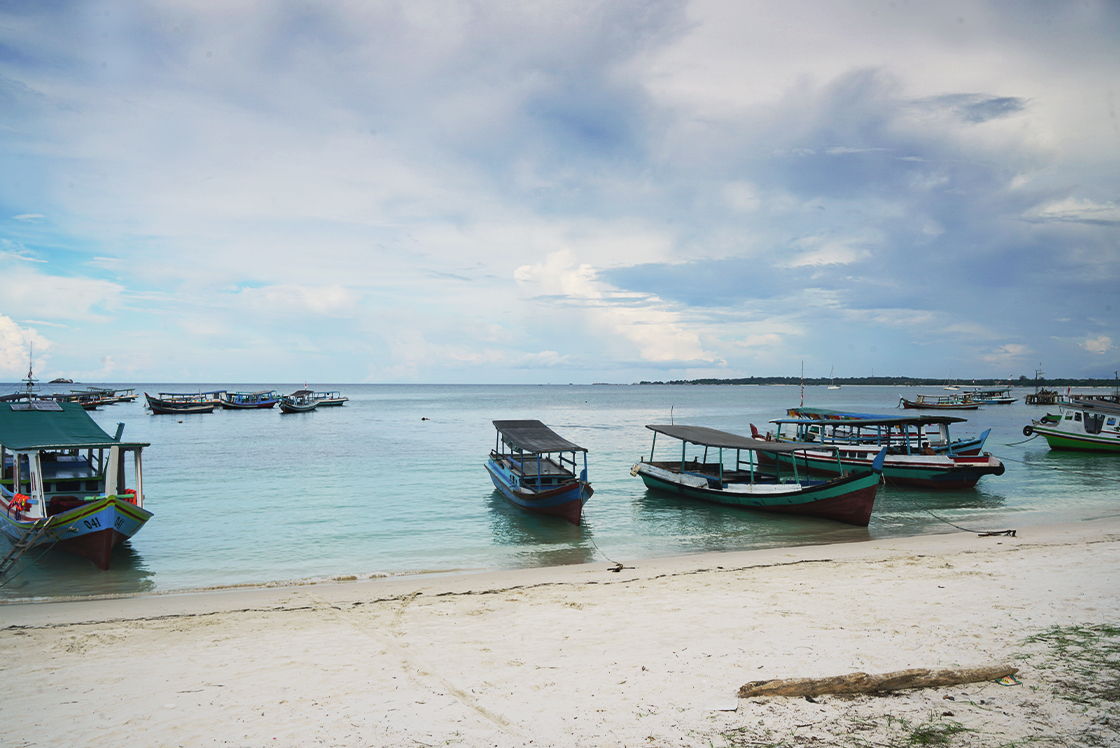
(129, 495)
(1028, 430)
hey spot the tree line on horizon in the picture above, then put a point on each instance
(1022, 381)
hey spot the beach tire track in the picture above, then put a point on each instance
(416, 671)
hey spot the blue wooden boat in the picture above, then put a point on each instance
(63, 481)
(535, 468)
(250, 400)
(736, 476)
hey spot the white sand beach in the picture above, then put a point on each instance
(652, 655)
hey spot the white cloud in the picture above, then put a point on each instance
(16, 345)
(659, 333)
(1101, 344)
(30, 293)
(294, 300)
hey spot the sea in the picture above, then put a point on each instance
(392, 483)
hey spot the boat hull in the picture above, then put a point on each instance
(565, 501)
(226, 404)
(849, 500)
(921, 471)
(1072, 442)
(294, 408)
(168, 407)
(911, 405)
(91, 530)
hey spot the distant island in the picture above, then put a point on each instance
(1022, 381)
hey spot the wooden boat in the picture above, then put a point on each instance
(299, 401)
(849, 498)
(249, 400)
(63, 481)
(910, 460)
(918, 428)
(935, 402)
(535, 468)
(1081, 427)
(330, 399)
(172, 403)
(992, 396)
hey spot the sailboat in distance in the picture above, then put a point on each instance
(832, 380)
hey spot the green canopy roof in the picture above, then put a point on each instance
(40, 424)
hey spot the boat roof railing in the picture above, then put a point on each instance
(192, 394)
(884, 421)
(534, 437)
(706, 437)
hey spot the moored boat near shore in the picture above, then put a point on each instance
(535, 468)
(750, 484)
(1081, 427)
(911, 458)
(910, 428)
(63, 481)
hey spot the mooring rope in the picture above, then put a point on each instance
(981, 533)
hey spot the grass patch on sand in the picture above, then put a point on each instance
(887, 731)
(1084, 661)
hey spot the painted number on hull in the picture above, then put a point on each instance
(91, 523)
(119, 523)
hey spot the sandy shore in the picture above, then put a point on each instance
(580, 656)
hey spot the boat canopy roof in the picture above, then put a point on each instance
(874, 421)
(40, 424)
(707, 437)
(534, 437)
(190, 394)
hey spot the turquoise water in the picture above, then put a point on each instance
(371, 488)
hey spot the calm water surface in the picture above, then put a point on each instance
(371, 488)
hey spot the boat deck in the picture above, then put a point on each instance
(548, 468)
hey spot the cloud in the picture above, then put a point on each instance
(294, 300)
(976, 108)
(16, 345)
(31, 293)
(1077, 210)
(440, 191)
(1098, 345)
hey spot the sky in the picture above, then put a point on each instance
(451, 191)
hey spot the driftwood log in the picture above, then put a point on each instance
(864, 683)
